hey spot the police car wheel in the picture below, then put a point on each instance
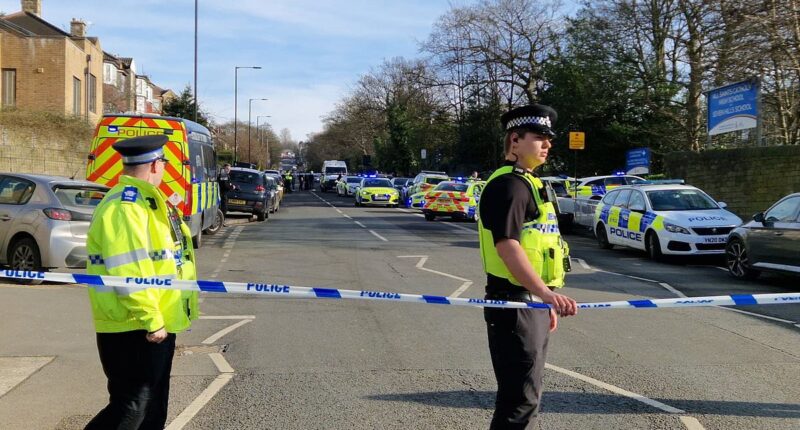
(24, 255)
(737, 261)
(602, 237)
(653, 246)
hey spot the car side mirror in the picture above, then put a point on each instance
(759, 217)
(639, 209)
(722, 205)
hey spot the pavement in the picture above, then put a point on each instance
(255, 363)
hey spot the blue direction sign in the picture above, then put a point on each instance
(733, 107)
(637, 161)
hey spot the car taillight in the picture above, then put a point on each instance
(260, 189)
(58, 214)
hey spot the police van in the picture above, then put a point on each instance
(190, 176)
(663, 219)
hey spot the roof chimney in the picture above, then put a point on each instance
(77, 28)
(32, 6)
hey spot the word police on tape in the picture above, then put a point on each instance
(275, 290)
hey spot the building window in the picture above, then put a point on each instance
(76, 96)
(92, 94)
(109, 75)
(9, 89)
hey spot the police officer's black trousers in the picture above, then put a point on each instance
(518, 346)
(138, 381)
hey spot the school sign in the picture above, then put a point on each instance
(733, 107)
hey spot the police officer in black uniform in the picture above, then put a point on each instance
(514, 223)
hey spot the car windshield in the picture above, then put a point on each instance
(680, 200)
(434, 180)
(377, 182)
(560, 189)
(451, 186)
(335, 170)
(79, 197)
(353, 179)
(244, 177)
(400, 181)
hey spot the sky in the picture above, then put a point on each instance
(311, 51)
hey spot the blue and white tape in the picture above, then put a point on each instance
(124, 285)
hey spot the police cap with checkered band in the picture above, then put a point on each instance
(141, 149)
(536, 118)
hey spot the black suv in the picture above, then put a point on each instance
(770, 242)
(249, 193)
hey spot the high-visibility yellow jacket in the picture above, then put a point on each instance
(540, 239)
(131, 236)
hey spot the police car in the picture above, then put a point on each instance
(595, 187)
(454, 199)
(377, 191)
(663, 219)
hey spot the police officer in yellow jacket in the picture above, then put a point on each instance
(525, 259)
(135, 232)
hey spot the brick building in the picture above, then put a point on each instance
(45, 68)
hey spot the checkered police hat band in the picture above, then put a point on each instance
(528, 120)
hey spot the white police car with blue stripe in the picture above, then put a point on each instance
(663, 219)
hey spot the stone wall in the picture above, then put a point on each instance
(749, 180)
(42, 151)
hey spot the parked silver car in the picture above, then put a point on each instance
(44, 220)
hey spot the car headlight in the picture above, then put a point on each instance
(364, 192)
(672, 228)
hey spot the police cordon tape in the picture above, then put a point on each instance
(125, 285)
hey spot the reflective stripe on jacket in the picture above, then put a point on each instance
(130, 235)
(540, 239)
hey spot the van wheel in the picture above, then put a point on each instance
(215, 227)
(197, 241)
(602, 237)
(24, 255)
(430, 217)
(653, 246)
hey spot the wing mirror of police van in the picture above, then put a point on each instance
(759, 217)
(639, 209)
(722, 205)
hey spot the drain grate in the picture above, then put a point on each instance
(184, 350)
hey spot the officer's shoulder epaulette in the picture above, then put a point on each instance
(129, 194)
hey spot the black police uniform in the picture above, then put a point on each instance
(517, 337)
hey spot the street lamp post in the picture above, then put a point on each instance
(236, 108)
(249, 122)
(258, 128)
(195, 60)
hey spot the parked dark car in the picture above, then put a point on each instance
(249, 193)
(770, 242)
(401, 185)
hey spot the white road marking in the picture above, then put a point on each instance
(671, 289)
(617, 390)
(460, 227)
(461, 289)
(758, 315)
(347, 216)
(360, 225)
(215, 337)
(691, 423)
(466, 283)
(222, 364)
(197, 404)
(338, 210)
(583, 264)
(420, 215)
(378, 236)
(405, 210)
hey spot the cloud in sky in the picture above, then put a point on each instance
(310, 51)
